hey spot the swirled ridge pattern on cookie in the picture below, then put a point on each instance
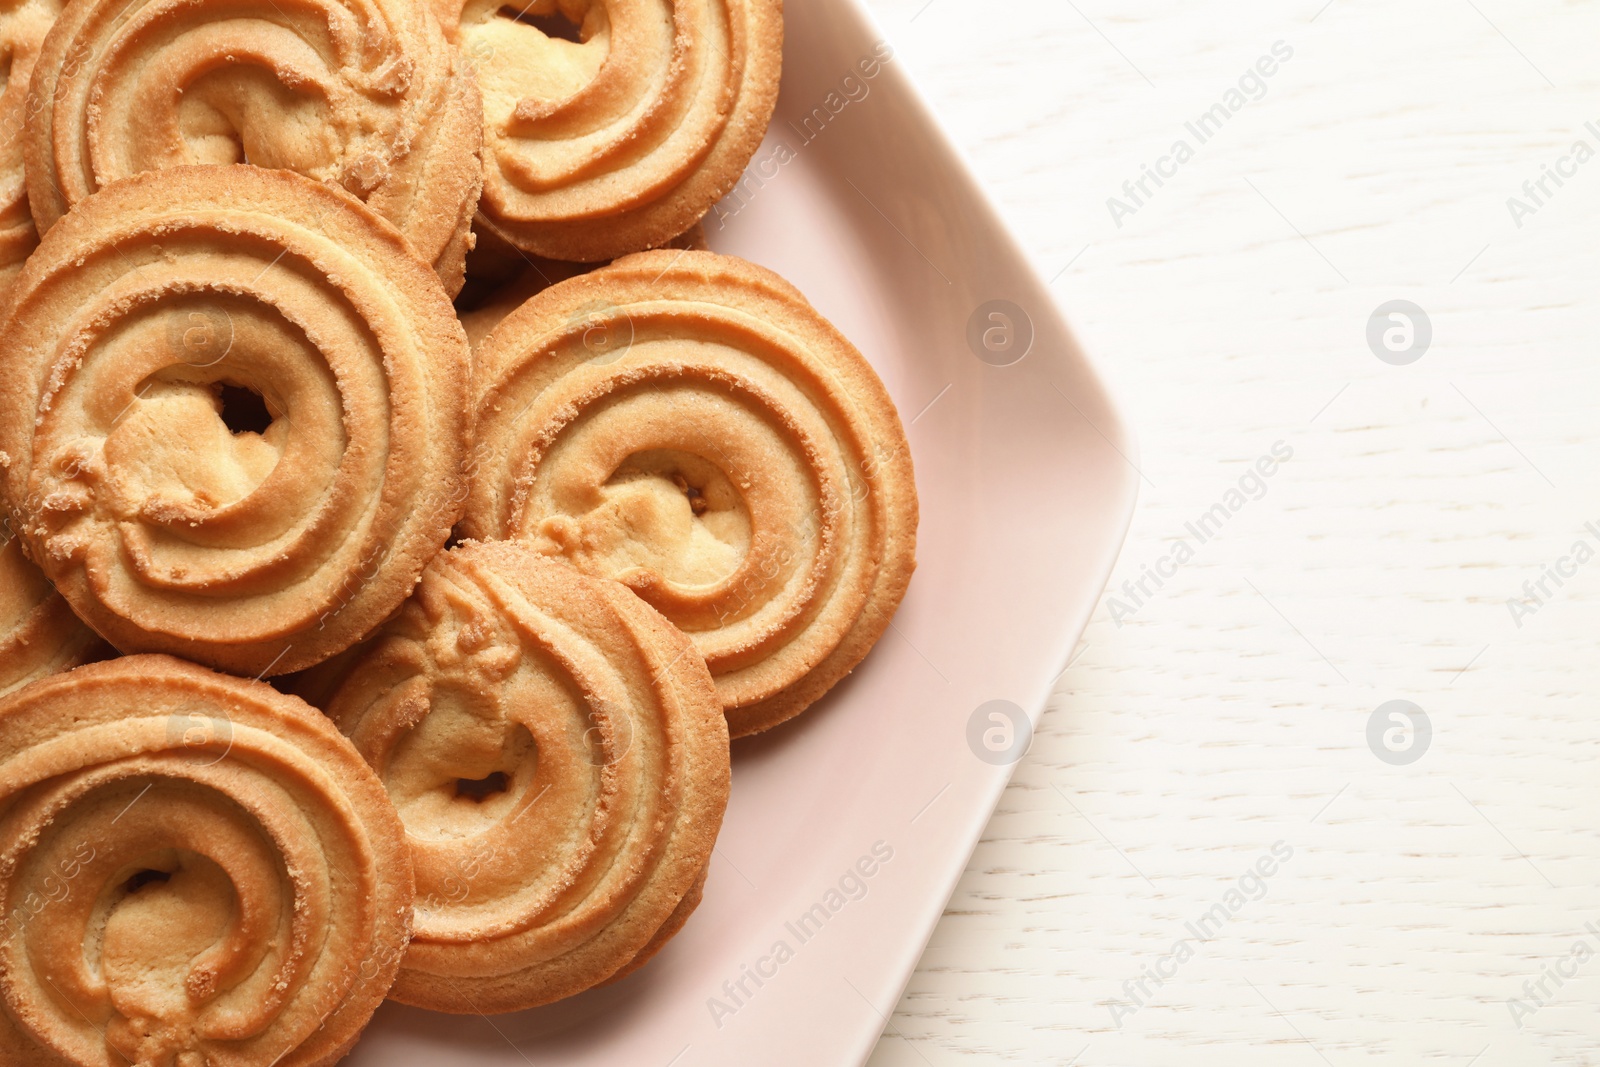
(364, 93)
(232, 416)
(194, 869)
(686, 423)
(558, 755)
(39, 634)
(23, 25)
(613, 125)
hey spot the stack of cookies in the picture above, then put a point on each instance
(403, 508)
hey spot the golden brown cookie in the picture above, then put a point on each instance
(560, 761)
(668, 930)
(611, 126)
(251, 416)
(368, 95)
(194, 869)
(23, 25)
(686, 423)
(39, 634)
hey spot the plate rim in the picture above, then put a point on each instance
(1113, 425)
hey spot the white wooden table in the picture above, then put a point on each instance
(1435, 911)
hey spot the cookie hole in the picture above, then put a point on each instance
(243, 410)
(697, 499)
(555, 25)
(140, 879)
(481, 789)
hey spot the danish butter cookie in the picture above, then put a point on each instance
(610, 126)
(233, 416)
(368, 95)
(688, 424)
(194, 869)
(559, 758)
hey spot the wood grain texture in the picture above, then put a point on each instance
(1230, 711)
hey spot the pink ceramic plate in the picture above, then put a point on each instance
(849, 826)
